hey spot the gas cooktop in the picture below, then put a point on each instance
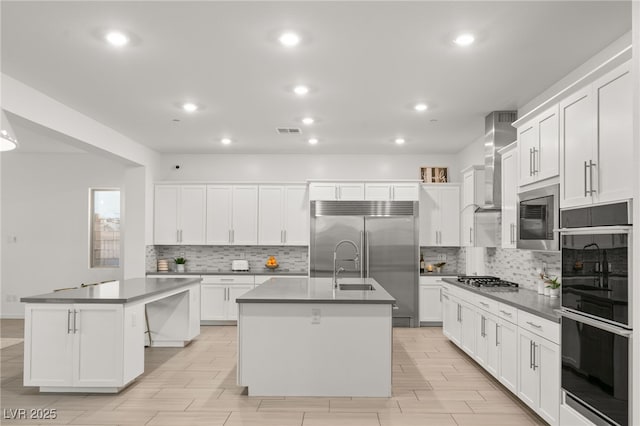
(486, 281)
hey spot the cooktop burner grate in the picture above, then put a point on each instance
(485, 281)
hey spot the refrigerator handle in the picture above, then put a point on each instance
(366, 241)
(361, 251)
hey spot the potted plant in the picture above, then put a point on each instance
(180, 261)
(553, 284)
(439, 266)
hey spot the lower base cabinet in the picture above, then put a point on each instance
(508, 347)
(431, 302)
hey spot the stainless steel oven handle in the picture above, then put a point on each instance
(596, 230)
(598, 324)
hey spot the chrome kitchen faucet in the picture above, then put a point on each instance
(355, 260)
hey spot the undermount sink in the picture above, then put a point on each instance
(367, 287)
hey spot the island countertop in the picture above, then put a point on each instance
(526, 300)
(260, 271)
(125, 291)
(316, 290)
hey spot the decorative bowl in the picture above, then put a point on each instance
(271, 266)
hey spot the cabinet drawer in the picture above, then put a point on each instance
(227, 279)
(433, 280)
(540, 326)
(508, 312)
(489, 305)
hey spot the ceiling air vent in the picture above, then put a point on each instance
(288, 131)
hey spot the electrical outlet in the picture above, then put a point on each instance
(442, 257)
(182, 254)
(11, 298)
(315, 316)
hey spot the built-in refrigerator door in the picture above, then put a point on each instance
(326, 232)
(391, 258)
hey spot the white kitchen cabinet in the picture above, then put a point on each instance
(596, 141)
(353, 191)
(467, 323)
(232, 215)
(487, 353)
(391, 191)
(473, 186)
(439, 209)
(509, 195)
(467, 232)
(458, 321)
(539, 147)
(508, 356)
(179, 214)
(431, 300)
(283, 215)
(451, 327)
(79, 345)
(219, 293)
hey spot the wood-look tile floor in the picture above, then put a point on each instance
(434, 383)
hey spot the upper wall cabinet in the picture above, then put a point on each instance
(439, 213)
(179, 214)
(283, 215)
(509, 195)
(336, 191)
(596, 125)
(538, 147)
(392, 191)
(472, 187)
(232, 214)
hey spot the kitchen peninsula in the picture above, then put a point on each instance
(91, 339)
(302, 337)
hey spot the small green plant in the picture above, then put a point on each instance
(552, 282)
(180, 260)
(440, 264)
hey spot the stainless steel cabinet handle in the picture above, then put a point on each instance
(505, 313)
(445, 296)
(75, 321)
(227, 279)
(486, 305)
(177, 235)
(229, 235)
(530, 161)
(482, 326)
(281, 237)
(534, 325)
(284, 232)
(531, 354)
(181, 236)
(471, 235)
(535, 346)
(337, 192)
(68, 321)
(591, 166)
(459, 313)
(233, 235)
(497, 327)
(535, 167)
(390, 193)
(393, 192)
(441, 294)
(586, 191)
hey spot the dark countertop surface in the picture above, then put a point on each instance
(125, 291)
(316, 290)
(261, 271)
(440, 274)
(526, 300)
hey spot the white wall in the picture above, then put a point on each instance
(472, 155)
(635, 392)
(298, 168)
(45, 206)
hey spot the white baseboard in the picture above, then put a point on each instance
(11, 316)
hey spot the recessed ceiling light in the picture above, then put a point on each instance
(301, 90)
(313, 141)
(189, 107)
(116, 38)
(420, 107)
(308, 120)
(289, 39)
(225, 141)
(399, 141)
(464, 39)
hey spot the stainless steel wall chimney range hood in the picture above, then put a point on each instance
(498, 133)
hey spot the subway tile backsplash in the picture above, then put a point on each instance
(203, 258)
(433, 255)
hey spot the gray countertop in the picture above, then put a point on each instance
(316, 290)
(126, 291)
(440, 274)
(262, 271)
(526, 300)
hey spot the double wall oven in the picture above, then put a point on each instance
(596, 244)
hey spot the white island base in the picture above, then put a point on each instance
(315, 349)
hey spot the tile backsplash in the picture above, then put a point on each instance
(520, 266)
(433, 255)
(202, 258)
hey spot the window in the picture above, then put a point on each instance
(105, 228)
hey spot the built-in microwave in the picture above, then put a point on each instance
(538, 218)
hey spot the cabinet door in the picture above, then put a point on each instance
(450, 324)
(527, 141)
(271, 217)
(493, 353)
(296, 216)
(449, 211)
(234, 292)
(377, 191)
(98, 345)
(508, 347)
(48, 345)
(405, 192)
(509, 197)
(528, 380)
(165, 211)
(323, 191)
(548, 364)
(546, 158)
(468, 189)
(466, 234)
(429, 216)
(213, 301)
(468, 335)
(192, 214)
(430, 303)
(615, 136)
(482, 342)
(351, 191)
(219, 214)
(577, 133)
(245, 215)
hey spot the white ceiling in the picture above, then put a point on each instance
(367, 63)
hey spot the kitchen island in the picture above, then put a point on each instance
(91, 339)
(303, 337)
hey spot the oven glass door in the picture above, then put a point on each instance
(595, 275)
(536, 219)
(595, 369)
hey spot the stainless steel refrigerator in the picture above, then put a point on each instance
(386, 234)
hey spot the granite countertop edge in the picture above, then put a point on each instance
(550, 312)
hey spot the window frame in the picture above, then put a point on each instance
(92, 191)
